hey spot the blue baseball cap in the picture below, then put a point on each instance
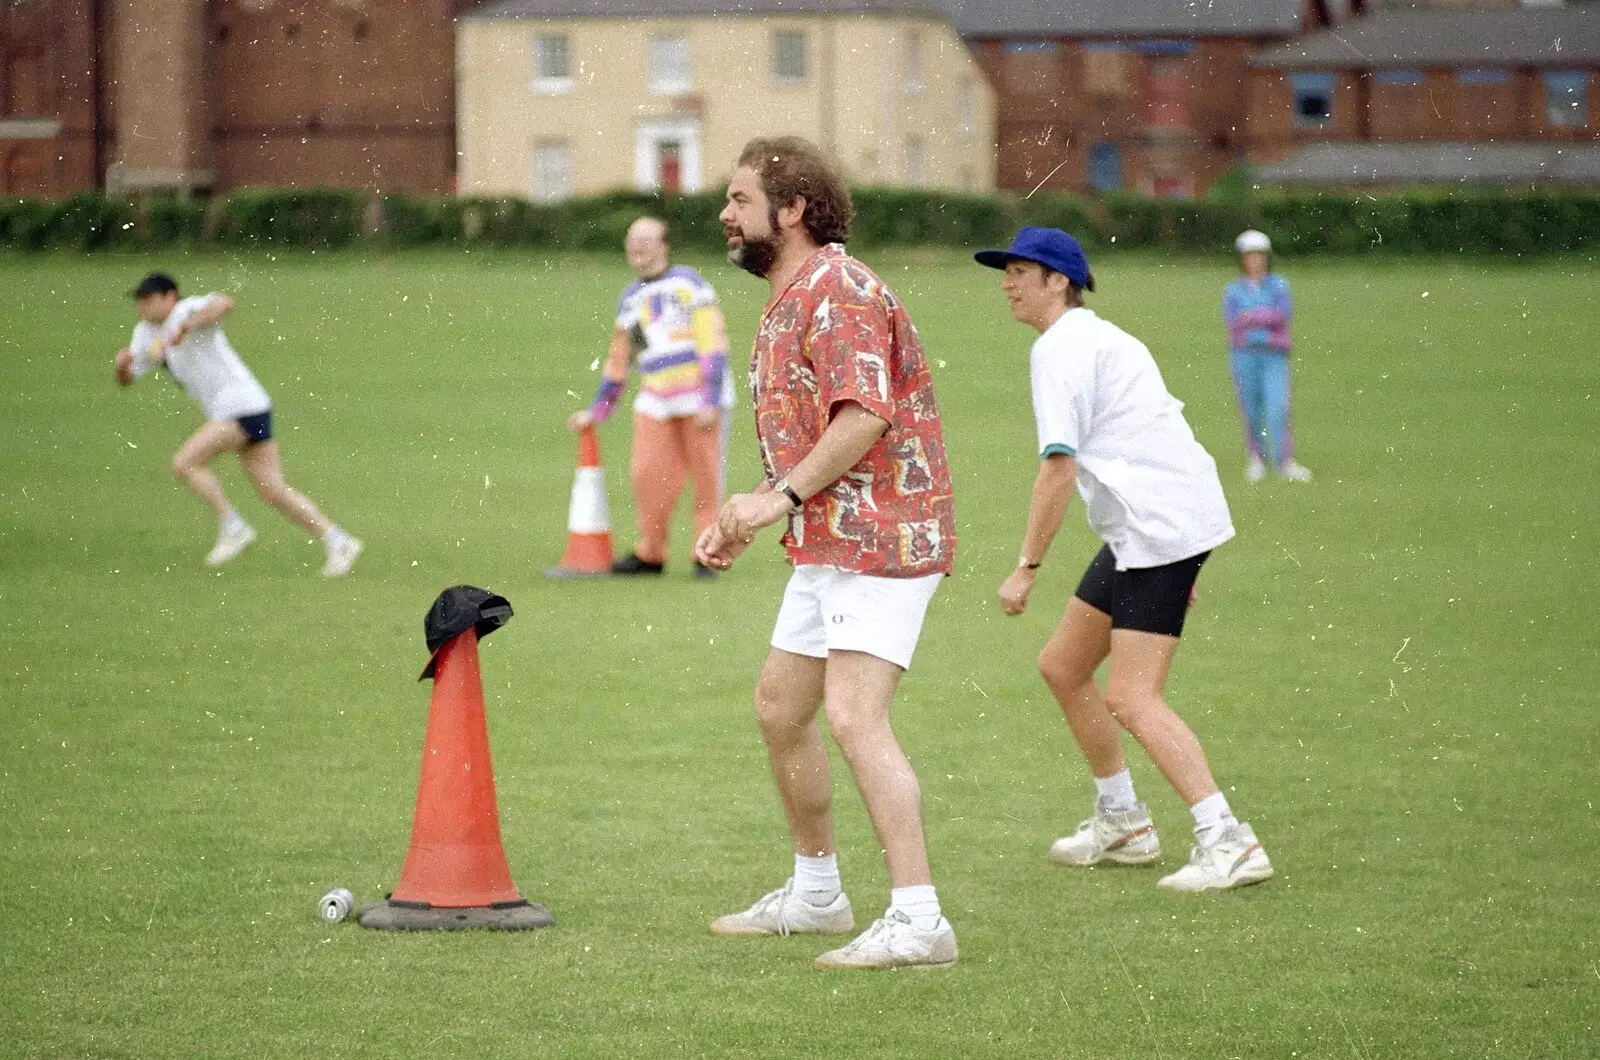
(1050, 247)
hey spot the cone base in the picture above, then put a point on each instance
(405, 916)
(575, 572)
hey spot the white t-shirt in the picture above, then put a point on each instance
(204, 365)
(1151, 489)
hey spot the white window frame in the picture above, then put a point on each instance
(781, 77)
(671, 64)
(548, 186)
(911, 62)
(552, 84)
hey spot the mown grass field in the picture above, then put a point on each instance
(1393, 670)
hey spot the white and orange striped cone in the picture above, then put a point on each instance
(588, 518)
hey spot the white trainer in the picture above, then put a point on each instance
(341, 557)
(1294, 471)
(782, 912)
(893, 941)
(1235, 859)
(1127, 837)
(230, 542)
(1255, 470)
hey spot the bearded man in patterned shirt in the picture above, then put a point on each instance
(855, 466)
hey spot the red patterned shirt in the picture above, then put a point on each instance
(837, 334)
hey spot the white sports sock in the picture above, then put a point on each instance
(920, 903)
(232, 520)
(1211, 816)
(1116, 791)
(816, 880)
(334, 538)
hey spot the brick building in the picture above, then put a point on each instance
(218, 94)
(1142, 95)
(1501, 94)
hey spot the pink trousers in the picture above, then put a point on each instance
(665, 454)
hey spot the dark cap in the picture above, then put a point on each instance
(155, 283)
(457, 610)
(1050, 247)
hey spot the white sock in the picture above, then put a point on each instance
(334, 538)
(816, 880)
(920, 903)
(1211, 816)
(1116, 791)
(232, 520)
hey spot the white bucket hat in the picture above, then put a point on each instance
(1250, 240)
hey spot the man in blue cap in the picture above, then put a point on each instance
(1106, 421)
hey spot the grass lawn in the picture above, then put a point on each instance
(1392, 669)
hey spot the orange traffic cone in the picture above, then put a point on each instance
(588, 517)
(455, 873)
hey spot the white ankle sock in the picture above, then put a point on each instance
(1116, 791)
(232, 520)
(1211, 816)
(920, 903)
(333, 538)
(816, 880)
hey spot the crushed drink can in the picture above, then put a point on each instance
(336, 905)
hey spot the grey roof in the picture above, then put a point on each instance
(1436, 163)
(1484, 37)
(542, 9)
(1121, 18)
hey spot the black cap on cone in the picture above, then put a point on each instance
(458, 609)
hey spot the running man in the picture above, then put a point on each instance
(670, 318)
(1258, 309)
(1106, 421)
(184, 335)
(855, 467)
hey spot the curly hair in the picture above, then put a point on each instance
(792, 167)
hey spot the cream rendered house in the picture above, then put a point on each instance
(557, 98)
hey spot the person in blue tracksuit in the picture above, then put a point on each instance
(1258, 309)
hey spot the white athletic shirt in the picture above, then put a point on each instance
(204, 365)
(1151, 490)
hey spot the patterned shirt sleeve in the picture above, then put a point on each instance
(849, 339)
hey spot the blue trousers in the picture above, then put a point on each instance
(1261, 380)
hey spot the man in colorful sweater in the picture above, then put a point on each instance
(669, 317)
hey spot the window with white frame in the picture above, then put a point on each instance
(669, 64)
(1566, 98)
(911, 61)
(552, 63)
(916, 162)
(552, 170)
(966, 108)
(788, 56)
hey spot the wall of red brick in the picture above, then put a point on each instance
(47, 69)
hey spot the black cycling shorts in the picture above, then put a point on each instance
(1150, 599)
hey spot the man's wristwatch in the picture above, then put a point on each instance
(1022, 561)
(787, 490)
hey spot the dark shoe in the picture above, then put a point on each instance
(632, 564)
(703, 572)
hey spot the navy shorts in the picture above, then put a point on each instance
(257, 428)
(1149, 599)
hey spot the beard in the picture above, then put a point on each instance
(755, 255)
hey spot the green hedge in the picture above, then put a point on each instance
(1423, 221)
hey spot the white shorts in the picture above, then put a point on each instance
(827, 609)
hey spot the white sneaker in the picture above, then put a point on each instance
(341, 557)
(230, 542)
(782, 912)
(894, 942)
(1294, 471)
(1235, 859)
(1126, 838)
(1255, 470)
